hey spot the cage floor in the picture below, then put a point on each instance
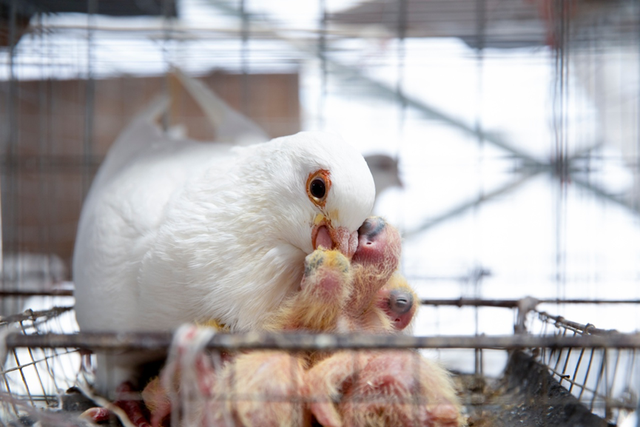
(526, 395)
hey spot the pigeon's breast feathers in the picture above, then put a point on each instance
(237, 235)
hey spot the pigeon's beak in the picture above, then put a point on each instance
(339, 238)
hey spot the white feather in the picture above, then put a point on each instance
(177, 231)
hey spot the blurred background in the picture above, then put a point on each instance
(504, 135)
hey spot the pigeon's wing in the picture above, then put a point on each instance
(230, 125)
(125, 207)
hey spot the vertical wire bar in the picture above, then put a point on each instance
(297, 401)
(233, 396)
(322, 52)
(418, 392)
(46, 355)
(44, 215)
(610, 387)
(11, 208)
(560, 130)
(599, 378)
(168, 115)
(357, 359)
(244, 58)
(543, 332)
(56, 358)
(635, 189)
(555, 367)
(402, 28)
(566, 363)
(35, 366)
(630, 370)
(87, 146)
(481, 21)
(575, 372)
(586, 375)
(402, 32)
(24, 379)
(64, 367)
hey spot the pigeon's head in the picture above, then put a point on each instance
(324, 190)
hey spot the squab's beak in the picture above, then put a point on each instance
(340, 238)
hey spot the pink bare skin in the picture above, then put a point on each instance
(397, 388)
(260, 389)
(376, 388)
(398, 301)
(128, 400)
(365, 295)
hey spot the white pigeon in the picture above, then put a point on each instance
(176, 231)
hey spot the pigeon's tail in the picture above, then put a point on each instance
(155, 109)
(229, 125)
(146, 122)
(138, 138)
(144, 136)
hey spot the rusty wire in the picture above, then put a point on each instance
(305, 341)
(586, 374)
(7, 293)
(34, 315)
(593, 374)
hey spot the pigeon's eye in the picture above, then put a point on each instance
(317, 188)
(318, 185)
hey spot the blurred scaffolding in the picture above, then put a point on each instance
(513, 127)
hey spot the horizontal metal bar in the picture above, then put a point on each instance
(325, 342)
(38, 293)
(473, 302)
(578, 327)
(514, 303)
(33, 315)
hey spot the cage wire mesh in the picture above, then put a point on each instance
(602, 378)
(509, 133)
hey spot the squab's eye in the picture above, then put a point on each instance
(318, 185)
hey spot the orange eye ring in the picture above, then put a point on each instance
(318, 186)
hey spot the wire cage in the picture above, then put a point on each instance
(34, 377)
(553, 373)
(602, 378)
(503, 137)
